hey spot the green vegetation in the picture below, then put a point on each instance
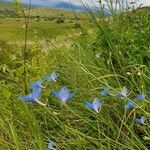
(93, 54)
(4, 5)
(13, 29)
(45, 23)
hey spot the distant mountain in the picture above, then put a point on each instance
(8, 4)
(56, 4)
(64, 5)
(50, 4)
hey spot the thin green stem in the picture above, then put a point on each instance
(98, 128)
(25, 51)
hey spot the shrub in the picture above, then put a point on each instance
(60, 20)
(77, 25)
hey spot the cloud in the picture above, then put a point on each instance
(79, 2)
(52, 2)
(144, 2)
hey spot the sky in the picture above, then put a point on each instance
(78, 2)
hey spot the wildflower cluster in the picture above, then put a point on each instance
(65, 95)
(130, 104)
(37, 89)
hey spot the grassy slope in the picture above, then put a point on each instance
(44, 11)
(55, 12)
(11, 29)
(73, 127)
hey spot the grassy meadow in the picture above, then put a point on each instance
(13, 30)
(95, 57)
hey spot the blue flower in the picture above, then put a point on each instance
(37, 84)
(140, 96)
(123, 93)
(64, 94)
(105, 92)
(52, 77)
(33, 97)
(95, 105)
(141, 120)
(129, 105)
(50, 145)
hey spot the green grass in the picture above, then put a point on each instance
(112, 52)
(43, 23)
(56, 12)
(43, 11)
(13, 29)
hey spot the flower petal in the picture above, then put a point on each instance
(129, 105)
(27, 98)
(64, 94)
(96, 104)
(36, 84)
(141, 120)
(105, 92)
(52, 77)
(123, 93)
(36, 93)
(50, 145)
(140, 96)
(88, 105)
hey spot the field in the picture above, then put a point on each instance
(12, 29)
(44, 23)
(100, 59)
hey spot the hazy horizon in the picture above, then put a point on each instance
(76, 2)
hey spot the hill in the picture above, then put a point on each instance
(64, 5)
(6, 10)
(48, 4)
(46, 12)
